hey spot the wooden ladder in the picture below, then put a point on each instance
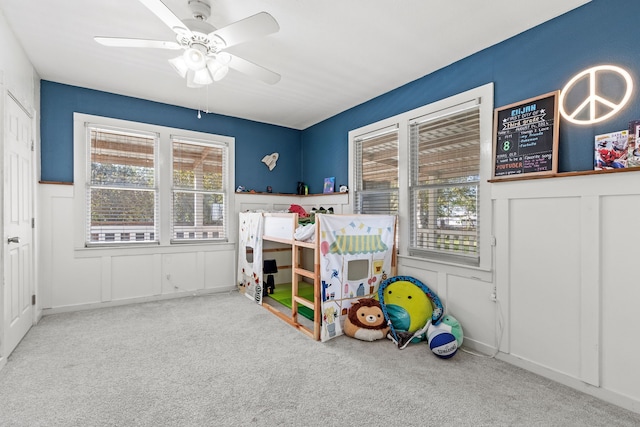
(297, 274)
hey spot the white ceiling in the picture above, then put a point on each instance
(332, 54)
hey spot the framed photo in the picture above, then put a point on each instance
(329, 184)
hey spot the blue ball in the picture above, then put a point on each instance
(443, 344)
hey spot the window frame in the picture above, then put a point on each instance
(222, 191)
(416, 187)
(483, 94)
(164, 181)
(154, 235)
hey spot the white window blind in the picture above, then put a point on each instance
(122, 196)
(444, 184)
(198, 194)
(376, 172)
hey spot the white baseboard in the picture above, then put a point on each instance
(81, 307)
(609, 396)
(476, 346)
(603, 394)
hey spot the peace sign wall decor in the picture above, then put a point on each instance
(596, 107)
(525, 137)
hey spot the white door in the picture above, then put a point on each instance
(18, 232)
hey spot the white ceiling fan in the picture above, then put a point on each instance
(204, 59)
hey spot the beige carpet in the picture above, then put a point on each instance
(221, 360)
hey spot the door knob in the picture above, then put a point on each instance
(13, 240)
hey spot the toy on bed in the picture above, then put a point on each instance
(366, 321)
(409, 307)
(299, 210)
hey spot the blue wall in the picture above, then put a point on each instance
(533, 63)
(538, 61)
(253, 140)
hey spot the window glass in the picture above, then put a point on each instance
(377, 172)
(445, 171)
(121, 195)
(198, 208)
(150, 184)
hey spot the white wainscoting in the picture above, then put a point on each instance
(281, 202)
(465, 294)
(74, 278)
(564, 275)
(566, 282)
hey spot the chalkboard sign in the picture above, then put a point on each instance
(526, 137)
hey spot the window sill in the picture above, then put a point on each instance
(152, 249)
(469, 271)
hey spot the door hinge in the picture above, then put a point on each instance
(32, 146)
(33, 223)
(33, 300)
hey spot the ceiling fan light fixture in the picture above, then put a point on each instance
(202, 77)
(180, 65)
(195, 57)
(190, 80)
(218, 71)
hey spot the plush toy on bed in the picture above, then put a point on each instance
(365, 321)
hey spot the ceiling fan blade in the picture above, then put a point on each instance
(253, 70)
(167, 16)
(254, 26)
(127, 42)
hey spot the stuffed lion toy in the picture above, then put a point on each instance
(365, 321)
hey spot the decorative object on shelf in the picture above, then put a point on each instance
(344, 188)
(329, 184)
(240, 189)
(269, 189)
(302, 189)
(633, 150)
(611, 150)
(270, 160)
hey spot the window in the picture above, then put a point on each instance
(376, 158)
(430, 167)
(444, 179)
(148, 184)
(122, 197)
(198, 190)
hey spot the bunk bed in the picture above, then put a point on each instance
(346, 258)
